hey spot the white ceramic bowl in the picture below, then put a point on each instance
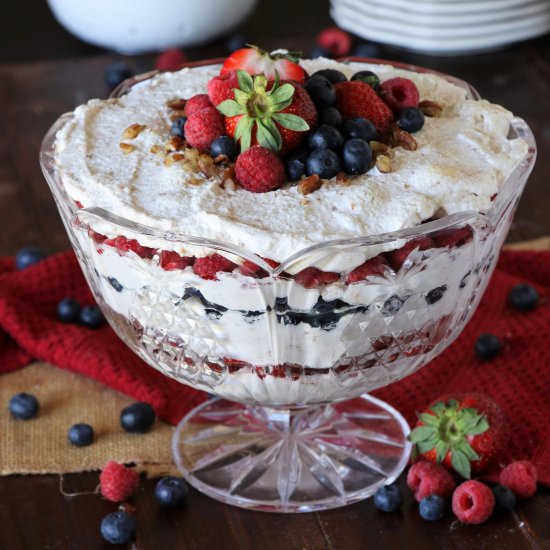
(138, 26)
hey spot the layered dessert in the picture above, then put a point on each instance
(291, 248)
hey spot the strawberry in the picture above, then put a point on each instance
(256, 61)
(355, 99)
(273, 115)
(465, 432)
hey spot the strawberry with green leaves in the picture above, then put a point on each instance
(466, 433)
(275, 115)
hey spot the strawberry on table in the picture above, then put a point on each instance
(465, 432)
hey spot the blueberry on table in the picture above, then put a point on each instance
(368, 77)
(432, 507)
(137, 417)
(388, 498)
(68, 310)
(487, 347)
(118, 72)
(357, 156)
(295, 165)
(171, 491)
(361, 128)
(410, 119)
(178, 127)
(226, 146)
(81, 435)
(505, 500)
(325, 136)
(323, 162)
(321, 91)
(331, 116)
(118, 527)
(91, 317)
(24, 406)
(332, 75)
(524, 297)
(30, 255)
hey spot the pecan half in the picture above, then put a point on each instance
(342, 178)
(207, 166)
(126, 147)
(133, 131)
(430, 108)
(310, 184)
(383, 164)
(400, 138)
(176, 104)
(175, 143)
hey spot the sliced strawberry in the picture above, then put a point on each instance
(396, 258)
(123, 244)
(453, 237)
(374, 266)
(311, 277)
(209, 266)
(170, 260)
(253, 270)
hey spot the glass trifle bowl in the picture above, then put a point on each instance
(290, 349)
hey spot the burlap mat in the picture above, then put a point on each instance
(40, 445)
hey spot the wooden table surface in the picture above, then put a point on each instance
(45, 72)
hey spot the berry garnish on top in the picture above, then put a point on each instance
(321, 91)
(368, 77)
(399, 93)
(222, 87)
(203, 127)
(410, 119)
(259, 170)
(332, 75)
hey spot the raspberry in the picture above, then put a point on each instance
(203, 127)
(207, 267)
(473, 502)
(355, 99)
(452, 237)
(170, 260)
(428, 478)
(196, 103)
(521, 478)
(336, 41)
(399, 93)
(310, 277)
(123, 244)
(117, 482)
(259, 170)
(253, 270)
(170, 60)
(396, 258)
(374, 266)
(221, 87)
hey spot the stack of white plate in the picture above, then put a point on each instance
(443, 26)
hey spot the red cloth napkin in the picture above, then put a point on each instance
(519, 379)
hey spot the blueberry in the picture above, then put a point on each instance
(296, 165)
(487, 347)
(91, 317)
(366, 49)
(410, 119)
(118, 527)
(226, 146)
(236, 42)
(325, 136)
(505, 500)
(332, 75)
(435, 294)
(393, 305)
(24, 406)
(331, 116)
(81, 435)
(68, 310)
(171, 491)
(361, 128)
(323, 162)
(368, 77)
(321, 91)
(524, 297)
(317, 51)
(432, 507)
(388, 499)
(137, 417)
(357, 156)
(178, 127)
(115, 284)
(118, 72)
(28, 256)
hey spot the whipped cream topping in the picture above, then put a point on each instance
(462, 159)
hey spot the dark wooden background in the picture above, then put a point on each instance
(43, 72)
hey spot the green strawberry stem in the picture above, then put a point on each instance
(260, 109)
(446, 429)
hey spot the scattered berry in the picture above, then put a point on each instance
(410, 119)
(427, 478)
(203, 127)
(116, 73)
(317, 52)
(355, 99)
(91, 317)
(432, 508)
(170, 260)
(23, 406)
(368, 77)
(68, 310)
(399, 93)
(521, 478)
(524, 297)
(81, 435)
(376, 266)
(117, 482)
(137, 417)
(388, 498)
(209, 266)
(259, 170)
(221, 87)
(361, 128)
(321, 91)
(171, 491)
(224, 146)
(170, 60)
(366, 49)
(295, 165)
(311, 277)
(196, 103)
(28, 256)
(118, 527)
(396, 258)
(335, 40)
(505, 500)
(332, 117)
(235, 42)
(487, 346)
(332, 75)
(178, 127)
(473, 502)
(357, 156)
(325, 136)
(323, 162)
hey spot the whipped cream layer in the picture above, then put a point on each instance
(463, 158)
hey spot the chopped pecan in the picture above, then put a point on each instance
(229, 173)
(155, 149)
(430, 108)
(343, 178)
(175, 143)
(126, 147)
(383, 163)
(206, 166)
(174, 115)
(378, 147)
(133, 131)
(221, 159)
(178, 157)
(229, 184)
(400, 138)
(176, 104)
(310, 184)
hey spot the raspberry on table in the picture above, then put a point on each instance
(399, 93)
(521, 478)
(117, 482)
(196, 103)
(172, 59)
(222, 87)
(473, 502)
(259, 170)
(209, 266)
(203, 127)
(427, 478)
(336, 41)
